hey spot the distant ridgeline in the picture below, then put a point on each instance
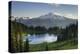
(50, 23)
(47, 21)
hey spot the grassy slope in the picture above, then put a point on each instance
(63, 45)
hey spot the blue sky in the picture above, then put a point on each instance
(29, 9)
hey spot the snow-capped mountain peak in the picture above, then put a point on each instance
(51, 15)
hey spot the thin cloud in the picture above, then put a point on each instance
(56, 13)
(69, 15)
(54, 4)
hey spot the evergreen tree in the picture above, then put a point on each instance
(46, 47)
(26, 46)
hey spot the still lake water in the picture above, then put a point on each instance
(40, 38)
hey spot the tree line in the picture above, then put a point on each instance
(17, 30)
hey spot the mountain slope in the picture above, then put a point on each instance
(48, 20)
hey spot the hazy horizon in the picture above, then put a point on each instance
(32, 10)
